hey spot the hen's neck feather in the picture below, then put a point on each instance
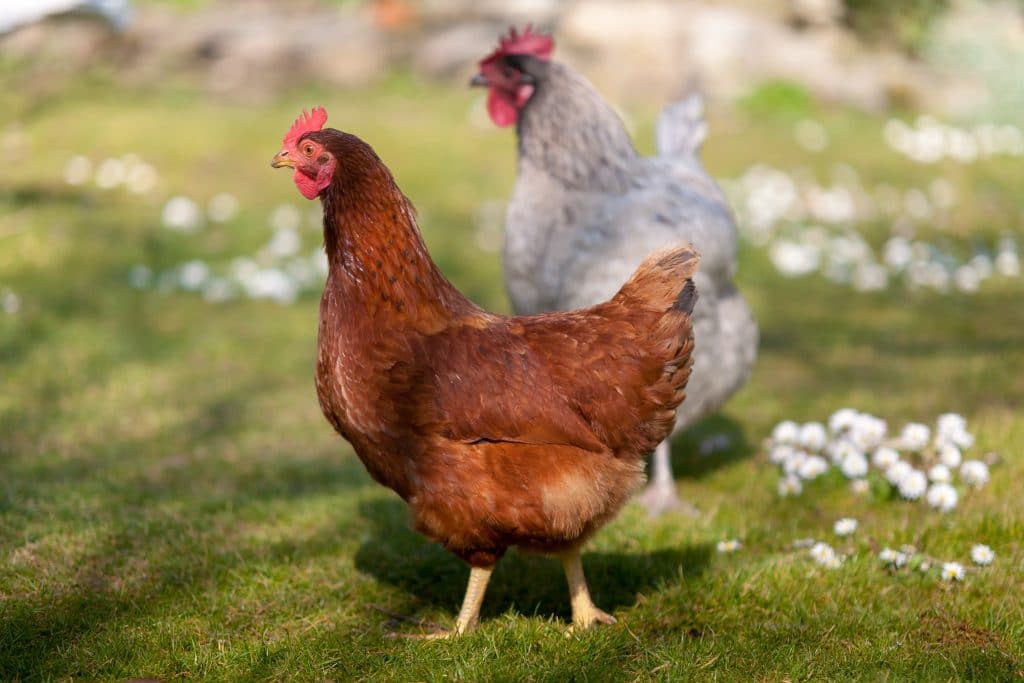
(375, 251)
(570, 132)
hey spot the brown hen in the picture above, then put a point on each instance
(526, 431)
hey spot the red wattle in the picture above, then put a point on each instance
(501, 108)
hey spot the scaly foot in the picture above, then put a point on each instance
(586, 617)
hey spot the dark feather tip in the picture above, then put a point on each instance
(687, 298)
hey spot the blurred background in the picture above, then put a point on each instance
(159, 282)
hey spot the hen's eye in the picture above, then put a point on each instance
(308, 150)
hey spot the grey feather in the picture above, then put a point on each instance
(587, 208)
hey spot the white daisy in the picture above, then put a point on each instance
(942, 496)
(780, 453)
(840, 448)
(912, 486)
(915, 436)
(790, 486)
(952, 571)
(823, 554)
(845, 526)
(854, 466)
(884, 458)
(949, 455)
(982, 554)
(894, 473)
(813, 436)
(842, 420)
(974, 472)
(787, 432)
(888, 555)
(868, 431)
(729, 546)
(940, 474)
(812, 467)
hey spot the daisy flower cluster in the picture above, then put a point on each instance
(927, 140)
(812, 228)
(128, 171)
(907, 557)
(280, 271)
(919, 462)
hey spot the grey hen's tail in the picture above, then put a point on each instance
(681, 128)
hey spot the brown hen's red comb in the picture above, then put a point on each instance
(307, 122)
(540, 45)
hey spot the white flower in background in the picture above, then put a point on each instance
(812, 467)
(787, 432)
(793, 259)
(110, 173)
(974, 473)
(913, 485)
(940, 474)
(842, 420)
(10, 302)
(854, 466)
(967, 279)
(790, 486)
(868, 431)
(140, 276)
(823, 554)
(141, 179)
(242, 268)
(222, 207)
(884, 458)
(942, 496)
(845, 526)
(791, 464)
(897, 253)
(896, 558)
(952, 571)
(191, 274)
(982, 554)
(182, 214)
(915, 436)
(895, 473)
(270, 283)
(285, 242)
(78, 170)
(780, 453)
(951, 428)
(1008, 263)
(285, 217)
(949, 455)
(870, 277)
(838, 449)
(813, 436)
(729, 546)
(860, 486)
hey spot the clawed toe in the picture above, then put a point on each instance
(661, 499)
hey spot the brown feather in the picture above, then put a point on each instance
(498, 431)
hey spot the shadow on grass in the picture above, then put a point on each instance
(689, 461)
(530, 584)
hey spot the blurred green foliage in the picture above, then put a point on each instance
(903, 23)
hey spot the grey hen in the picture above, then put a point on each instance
(587, 209)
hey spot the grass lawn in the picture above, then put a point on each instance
(173, 504)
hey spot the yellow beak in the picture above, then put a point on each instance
(282, 159)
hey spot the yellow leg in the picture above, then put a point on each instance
(584, 612)
(469, 615)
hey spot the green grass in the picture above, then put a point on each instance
(172, 503)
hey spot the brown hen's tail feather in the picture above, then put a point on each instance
(662, 282)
